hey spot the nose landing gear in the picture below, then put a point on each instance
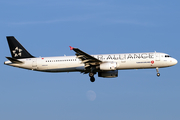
(157, 70)
(158, 74)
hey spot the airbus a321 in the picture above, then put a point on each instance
(106, 65)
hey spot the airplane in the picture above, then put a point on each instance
(106, 65)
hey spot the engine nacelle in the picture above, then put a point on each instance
(108, 66)
(108, 74)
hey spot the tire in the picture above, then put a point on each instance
(92, 79)
(158, 74)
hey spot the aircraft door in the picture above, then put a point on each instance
(34, 63)
(157, 56)
(123, 58)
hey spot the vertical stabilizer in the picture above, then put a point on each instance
(17, 50)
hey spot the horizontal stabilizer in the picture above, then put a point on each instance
(14, 60)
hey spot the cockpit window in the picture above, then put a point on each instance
(167, 56)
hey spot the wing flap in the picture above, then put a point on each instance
(86, 58)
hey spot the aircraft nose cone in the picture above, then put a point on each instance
(175, 61)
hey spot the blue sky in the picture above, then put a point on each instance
(49, 27)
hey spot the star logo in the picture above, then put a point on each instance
(17, 52)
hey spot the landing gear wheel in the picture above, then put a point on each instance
(91, 74)
(157, 70)
(92, 79)
(158, 74)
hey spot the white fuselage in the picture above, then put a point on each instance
(72, 63)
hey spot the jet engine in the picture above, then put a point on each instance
(108, 66)
(108, 74)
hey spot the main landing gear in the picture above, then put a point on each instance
(91, 75)
(157, 70)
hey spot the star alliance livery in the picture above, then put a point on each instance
(106, 65)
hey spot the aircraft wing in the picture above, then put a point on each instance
(86, 58)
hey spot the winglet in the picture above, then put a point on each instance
(71, 48)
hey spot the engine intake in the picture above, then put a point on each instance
(108, 74)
